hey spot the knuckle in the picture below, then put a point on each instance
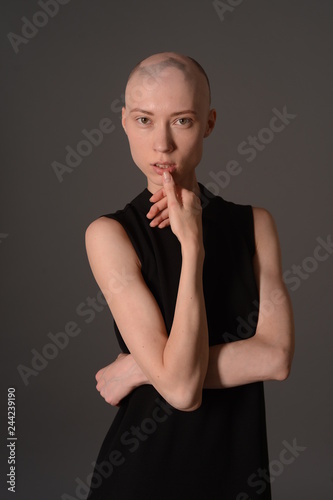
(111, 401)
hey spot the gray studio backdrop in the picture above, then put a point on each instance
(65, 66)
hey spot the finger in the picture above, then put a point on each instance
(159, 195)
(157, 208)
(164, 223)
(169, 186)
(160, 218)
(99, 373)
(100, 384)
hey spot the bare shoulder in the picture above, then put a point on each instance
(262, 217)
(107, 237)
(264, 226)
(103, 222)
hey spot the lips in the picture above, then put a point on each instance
(164, 166)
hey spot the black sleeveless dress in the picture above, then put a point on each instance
(153, 451)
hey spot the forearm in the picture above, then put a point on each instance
(265, 356)
(186, 352)
(236, 363)
(241, 362)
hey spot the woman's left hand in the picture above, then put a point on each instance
(118, 379)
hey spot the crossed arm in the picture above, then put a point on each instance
(268, 354)
(265, 356)
(175, 364)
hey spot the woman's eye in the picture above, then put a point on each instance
(143, 120)
(184, 121)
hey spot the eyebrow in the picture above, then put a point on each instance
(185, 111)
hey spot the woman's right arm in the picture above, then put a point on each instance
(175, 365)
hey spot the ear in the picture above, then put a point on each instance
(123, 118)
(210, 122)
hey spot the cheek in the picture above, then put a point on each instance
(194, 145)
(138, 139)
(138, 149)
(134, 140)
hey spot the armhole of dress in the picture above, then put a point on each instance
(252, 240)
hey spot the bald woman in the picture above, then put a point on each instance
(189, 381)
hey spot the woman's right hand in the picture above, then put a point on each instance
(185, 211)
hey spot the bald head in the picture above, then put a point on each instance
(151, 67)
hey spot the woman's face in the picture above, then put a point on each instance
(166, 119)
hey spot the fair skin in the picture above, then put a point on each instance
(166, 122)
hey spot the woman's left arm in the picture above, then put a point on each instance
(265, 356)
(268, 354)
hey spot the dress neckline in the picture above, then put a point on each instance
(201, 187)
(142, 202)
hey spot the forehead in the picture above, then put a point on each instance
(162, 85)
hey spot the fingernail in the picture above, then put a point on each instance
(166, 176)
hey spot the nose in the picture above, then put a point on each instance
(163, 140)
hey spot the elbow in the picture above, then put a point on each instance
(185, 392)
(282, 374)
(188, 405)
(283, 365)
(186, 399)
